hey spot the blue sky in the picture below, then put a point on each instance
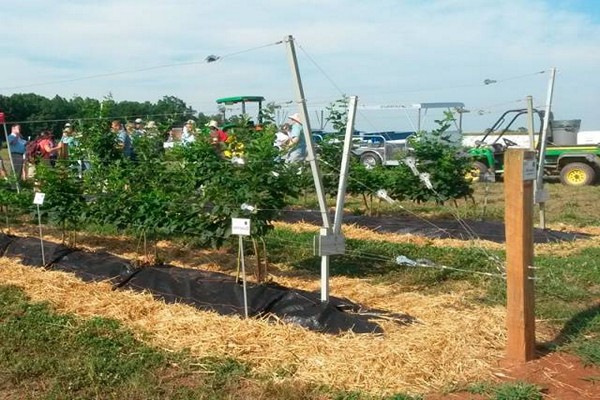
(591, 8)
(384, 52)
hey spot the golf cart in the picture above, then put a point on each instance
(575, 165)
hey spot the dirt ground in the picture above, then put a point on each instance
(560, 376)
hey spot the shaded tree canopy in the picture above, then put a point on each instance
(37, 113)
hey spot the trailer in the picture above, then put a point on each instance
(380, 148)
(386, 148)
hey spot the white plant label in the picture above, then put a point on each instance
(240, 226)
(39, 198)
(529, 170)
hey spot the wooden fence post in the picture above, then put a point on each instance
(519, 180)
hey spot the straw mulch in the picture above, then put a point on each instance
(454, 343)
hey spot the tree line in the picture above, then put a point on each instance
(37, 113)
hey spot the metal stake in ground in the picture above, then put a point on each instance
(39, 200)
(241, 227)
(540, 193)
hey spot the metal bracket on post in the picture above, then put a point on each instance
(329, 244)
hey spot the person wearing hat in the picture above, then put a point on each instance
(217, 135)
(297, 143)
(66, 141)
(138, 128)
(187, 136)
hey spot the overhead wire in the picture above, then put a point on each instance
(143, 69)
(340, 91)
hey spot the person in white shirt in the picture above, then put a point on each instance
(282, 137)
(188, 134)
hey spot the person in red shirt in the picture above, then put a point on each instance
(46, 146)
(217, 135)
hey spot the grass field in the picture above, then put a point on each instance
(66, 339)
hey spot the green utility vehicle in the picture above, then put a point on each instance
(242, 100)
(575, 165)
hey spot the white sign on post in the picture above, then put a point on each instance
(240, 226)
(529, 170)
(39, 198)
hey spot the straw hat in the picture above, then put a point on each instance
(213, 124)
(295, 117)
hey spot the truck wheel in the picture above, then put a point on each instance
(577, 174)
(370, 160)
(477, 172)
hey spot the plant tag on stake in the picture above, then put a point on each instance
(529, 170)
(240, 226)
(38, 199)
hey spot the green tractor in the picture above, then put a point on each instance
(575, 165)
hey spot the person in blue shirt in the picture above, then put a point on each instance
(123, 138)
(297, 143)
(67, 141)
(16, 147)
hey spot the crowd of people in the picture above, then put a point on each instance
(190, 132)
(45, 148)
(289, 139)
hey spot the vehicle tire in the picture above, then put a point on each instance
(477, 173)
(577, 174)
(370, 160)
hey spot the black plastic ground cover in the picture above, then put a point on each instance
(5, 240)
(204, 290)
(435, 228)
(29, 251)
(221, 293)
(95, 267)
